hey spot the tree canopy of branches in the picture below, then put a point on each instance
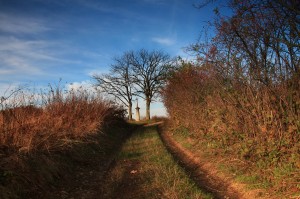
(149, 72)
(244, 88)
(259, 43)
(136, 73)
(118, 83)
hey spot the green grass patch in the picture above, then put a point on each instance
(157, 174)
(277, 178)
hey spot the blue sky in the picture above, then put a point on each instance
(45, 40)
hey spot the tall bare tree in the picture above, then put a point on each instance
(149, 72)
(259, 43)
(118, 83)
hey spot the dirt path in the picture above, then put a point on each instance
(127, 181)
(206, 175)
(144, 169)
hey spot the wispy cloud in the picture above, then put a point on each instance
(33, 49)
(18, 65)
(21, 24)
(86, 86)
(98, 71)
(33, 57)
(163, 41)
(121, 11)
(22, 56)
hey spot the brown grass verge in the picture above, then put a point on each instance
(44, 137)
(61, 173)
(206, 174)
(253, 130)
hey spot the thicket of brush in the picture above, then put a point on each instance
(52, 120)
(44, 136)
(241, 98)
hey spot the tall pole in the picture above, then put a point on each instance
(137, 111)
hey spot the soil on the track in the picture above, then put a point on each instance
(128, 185)
(144, 169)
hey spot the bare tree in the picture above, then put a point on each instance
(149, 71)
(259, 43)
(118, 82)
(141, 73)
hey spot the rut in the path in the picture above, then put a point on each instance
(144, 169)
(206, 175)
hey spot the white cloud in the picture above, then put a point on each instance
(6, 71)
(21, 24)
(21, 57)
(18, 65)
(163, 41)
(99, 71)
(31, 49)
(83, 85)
(31, 57)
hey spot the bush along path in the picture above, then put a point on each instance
(205, 173)
(144, 169)
(75, 172)
(91, 166)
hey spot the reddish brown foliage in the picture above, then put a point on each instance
(57, 123)
(259, 125)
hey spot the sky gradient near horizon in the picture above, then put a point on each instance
(43, 41)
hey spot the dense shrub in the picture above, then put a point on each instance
(241, 99)
(46, 136)
(53, 120)
(254, 124)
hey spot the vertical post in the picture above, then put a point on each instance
(137, 111)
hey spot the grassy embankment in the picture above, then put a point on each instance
(250, 133)
(144, 169)
(44, 136)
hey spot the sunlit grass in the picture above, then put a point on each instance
(53, 119)
(275, 182)
(158, 174)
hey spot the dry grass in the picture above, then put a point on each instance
(145, 169)
(52, 120)
(45, 135)
(257, 125)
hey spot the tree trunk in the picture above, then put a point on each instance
(130, 111)
(148, 101)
